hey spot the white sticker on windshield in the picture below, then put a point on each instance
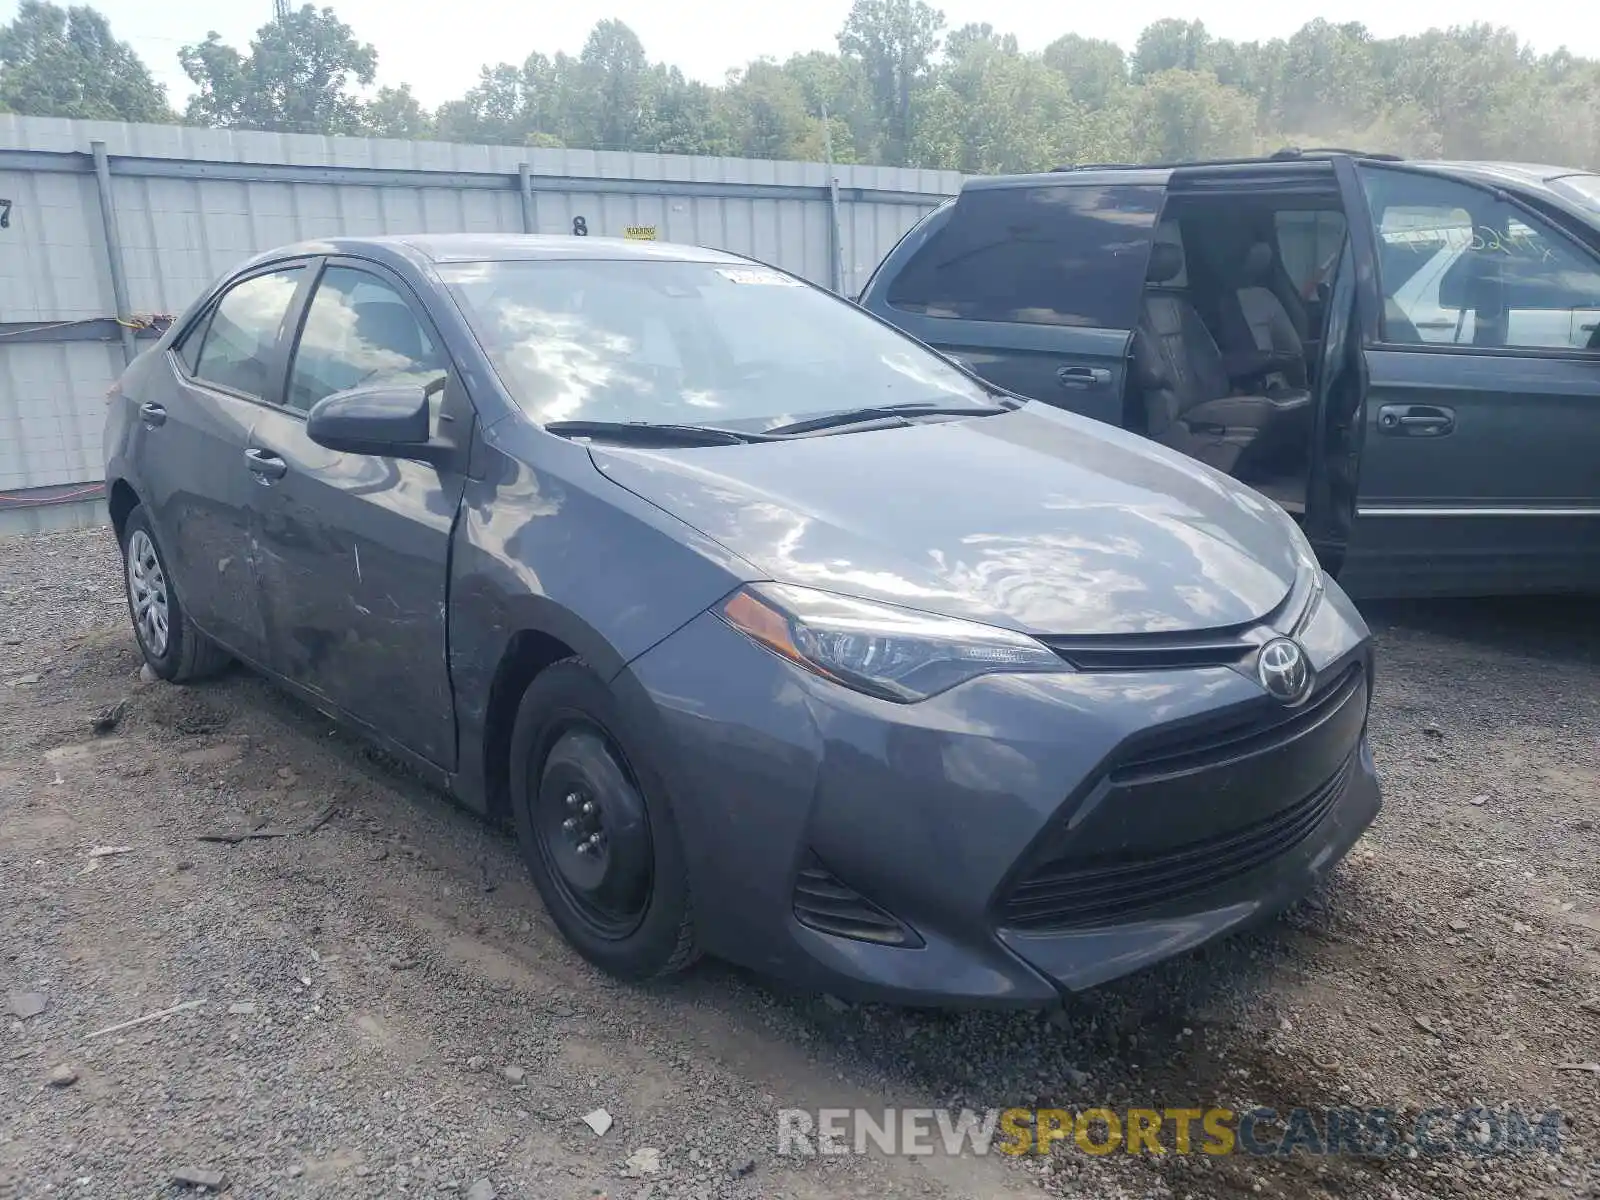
(753, 275)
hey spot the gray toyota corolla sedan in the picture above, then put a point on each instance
(774, 633)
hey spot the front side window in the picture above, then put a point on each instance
(243, 333)
(1062, 254)
(358, 330)
(667, 342)
(1460, 267)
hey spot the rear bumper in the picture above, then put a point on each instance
(933, 818)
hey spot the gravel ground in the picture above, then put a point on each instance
(379, 1006)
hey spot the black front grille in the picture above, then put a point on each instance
(1269, 726)
(1182, 809)
(824, 903)
(1085, 894)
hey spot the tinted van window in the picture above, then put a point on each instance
(1064, 254)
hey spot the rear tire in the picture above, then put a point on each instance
(174, 648)
(596, 831)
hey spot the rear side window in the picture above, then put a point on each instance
(1068, 254)
(237, 351)
(188, 349)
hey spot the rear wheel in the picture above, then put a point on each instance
(595, 830)
(174, 648)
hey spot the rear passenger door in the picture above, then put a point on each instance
(1481, 424)
(190, 447)
(1033, 284)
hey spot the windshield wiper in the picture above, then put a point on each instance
(649, 434)
(884, 412)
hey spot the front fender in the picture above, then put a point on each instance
(557, 549)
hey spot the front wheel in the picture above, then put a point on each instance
(595, 830)
(174, 648)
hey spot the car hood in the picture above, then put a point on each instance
(1034, 519)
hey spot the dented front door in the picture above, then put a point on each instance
(353, 550)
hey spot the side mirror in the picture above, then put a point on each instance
(388, 420)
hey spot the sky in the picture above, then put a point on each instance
(438, 48)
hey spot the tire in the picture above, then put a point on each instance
(576, 776)
(174, 648)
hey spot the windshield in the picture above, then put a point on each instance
(689, 343)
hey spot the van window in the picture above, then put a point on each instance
(1460, 267)
(1061, 254)
(1309, 241)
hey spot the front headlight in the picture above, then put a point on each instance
(892, 653)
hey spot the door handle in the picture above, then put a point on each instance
(266, 465)
(1083, 377)
(1415, 420)
(152, 414)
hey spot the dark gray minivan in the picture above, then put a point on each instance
(1404, 355)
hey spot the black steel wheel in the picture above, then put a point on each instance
(592, 828)
(596, 829)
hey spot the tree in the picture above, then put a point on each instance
(900, 92)
(994, 109)
(1171, 45)
(894, 41)
(513, 105)
(396, 113)
(612, 106)
(1329, 79)
(57, 62)
(296, 79)
(1096, 71)
(690, 117)
(767, 112)
(836, 87)
(1178, 115)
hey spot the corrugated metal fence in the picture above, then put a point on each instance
(176, 207)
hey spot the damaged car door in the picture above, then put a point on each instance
(353, 549)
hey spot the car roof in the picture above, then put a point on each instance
(1523, 176)
(505, 247)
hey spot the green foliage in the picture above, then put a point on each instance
(899, 91)
(296, 78)
(57, 62)
(396, 113)
(893, 43)
(1179, 114)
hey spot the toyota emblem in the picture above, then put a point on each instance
(1284, 670)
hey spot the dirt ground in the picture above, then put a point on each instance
(378, 1006)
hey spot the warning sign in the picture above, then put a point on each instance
(640, 233)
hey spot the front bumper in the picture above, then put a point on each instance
(1035, 834)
